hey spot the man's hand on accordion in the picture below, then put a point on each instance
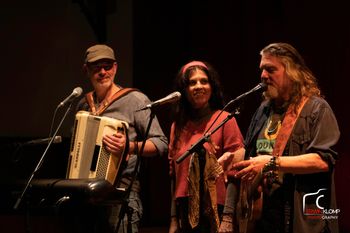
(114, 143)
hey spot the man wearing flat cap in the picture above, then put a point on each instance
(101, 67)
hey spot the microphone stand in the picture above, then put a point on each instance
(125, 201)
(41, 160)
(199, 144)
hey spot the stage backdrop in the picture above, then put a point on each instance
(43, 44)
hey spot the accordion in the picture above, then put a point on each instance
(88, 158)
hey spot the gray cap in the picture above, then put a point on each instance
(98, 52)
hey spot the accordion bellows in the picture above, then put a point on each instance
(88, 158)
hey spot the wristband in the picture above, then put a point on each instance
(271, 170)
(273, 164)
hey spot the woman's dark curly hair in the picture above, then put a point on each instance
(183, 108)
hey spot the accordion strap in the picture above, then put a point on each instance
(106, 102)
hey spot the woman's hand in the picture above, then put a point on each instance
(173, 225)
(226, 225)
(226, 161)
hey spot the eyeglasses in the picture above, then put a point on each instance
(98, 67)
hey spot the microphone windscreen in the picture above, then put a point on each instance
(77, 91)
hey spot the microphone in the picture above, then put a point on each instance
(76, 93)
(57, 139)
(262, 86)
(173, 97)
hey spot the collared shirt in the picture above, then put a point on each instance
(316, 131)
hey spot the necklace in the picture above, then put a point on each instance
(272, 131)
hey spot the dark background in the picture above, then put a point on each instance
(42, 44)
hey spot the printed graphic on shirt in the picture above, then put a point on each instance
(267, 137)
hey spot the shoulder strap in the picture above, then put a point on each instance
(107, 102)
(287, 127)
